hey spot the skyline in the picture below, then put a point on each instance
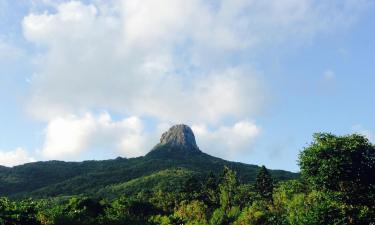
(100, 79)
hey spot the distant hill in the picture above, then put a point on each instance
(171, 162)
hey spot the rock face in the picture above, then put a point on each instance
(179, 136)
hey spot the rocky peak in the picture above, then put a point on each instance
(179, 136)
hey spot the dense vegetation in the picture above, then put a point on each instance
(337, 186)
(56, 178)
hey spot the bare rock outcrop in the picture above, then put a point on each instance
(179, 135)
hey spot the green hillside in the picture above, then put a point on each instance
(57, 178)
(177, 184)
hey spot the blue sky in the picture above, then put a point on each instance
(254, 79)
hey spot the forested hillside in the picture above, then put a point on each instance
(57, 178)
(176, 183)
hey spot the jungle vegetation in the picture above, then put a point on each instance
(336, 185)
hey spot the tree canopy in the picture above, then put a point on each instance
(344, 164)
(264, 183)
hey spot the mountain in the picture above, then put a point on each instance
(169, 164)
(179, 136)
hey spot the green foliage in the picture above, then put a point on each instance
(129, 211)
(210, 190)
(245, 195)
(192, 213)
(314, 208)
(186, 195)
(254, 215)
(264, 183)
(343, 164)
(110, 178)
(218, 217)
(23, 212)
(228, 189)
(162, 220)
(170, 180)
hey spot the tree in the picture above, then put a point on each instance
(210, 190)
(22, 212)
(315, 208)
(130, 211)
(228, 189)
(192, 213)
(192, 188)
(344, 164)
(264, 183)
(219, 217)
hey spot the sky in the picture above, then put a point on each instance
(83, 80)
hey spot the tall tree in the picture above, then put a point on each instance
(344, 164)
(264, 183)
(228, 189)
(211, 197)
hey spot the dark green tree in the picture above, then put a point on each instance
(192, 189)
(130, 211)
(264, 184)
(210, 190)
(344, 164)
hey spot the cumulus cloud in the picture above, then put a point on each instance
(172, 60)
(100, 61)
(151, 58)
(68, 137)
(227, 141)
(15, 157)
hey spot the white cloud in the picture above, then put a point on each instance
(15, 157)
(70, 136)
(227, 141)
(365, 132)
(156, 58)
(171, 60)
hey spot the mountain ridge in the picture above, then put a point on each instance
(177, 149)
